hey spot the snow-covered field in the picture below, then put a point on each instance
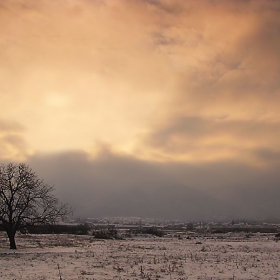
(229, 256)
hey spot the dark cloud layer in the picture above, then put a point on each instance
(115, 185)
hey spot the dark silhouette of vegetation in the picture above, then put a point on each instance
(26, 200)
(190, 226)
(110, 233)
(81, 229)
(245, 229)
(149, 230)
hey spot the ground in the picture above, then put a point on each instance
(67, 257)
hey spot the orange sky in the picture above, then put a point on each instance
(164, 80)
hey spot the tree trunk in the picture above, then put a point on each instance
(11, 236)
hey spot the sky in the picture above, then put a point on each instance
(149, 108)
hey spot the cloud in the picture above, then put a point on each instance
(118, 185)
(12, 143)
(80, 55)
(268, 154)
(79, 72)
(172, 87)
(121, 186)
(10, 127)
(201, 139)
(226, 61)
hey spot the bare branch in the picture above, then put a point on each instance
(26, 200)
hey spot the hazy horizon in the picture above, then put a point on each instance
(153, 108)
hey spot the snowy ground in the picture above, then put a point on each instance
(82, 257)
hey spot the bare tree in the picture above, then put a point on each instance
(26, 200)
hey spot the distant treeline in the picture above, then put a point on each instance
(245, 229)
(100, 232)
(81, 229)
(150, 230)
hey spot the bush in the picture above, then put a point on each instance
(106, 234)
(151, 230)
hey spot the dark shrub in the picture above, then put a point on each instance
(106, 234)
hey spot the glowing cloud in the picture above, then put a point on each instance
(160, 80)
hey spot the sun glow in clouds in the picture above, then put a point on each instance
(57, 100)
(147, 78)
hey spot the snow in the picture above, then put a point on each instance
(231, 256)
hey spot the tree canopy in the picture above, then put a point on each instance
(26, 200)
